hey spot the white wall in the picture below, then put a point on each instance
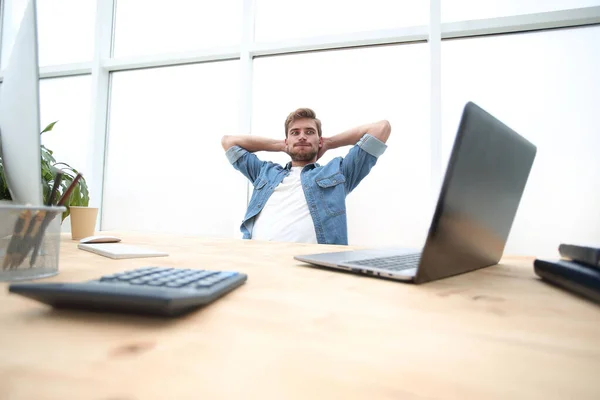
(546, 86)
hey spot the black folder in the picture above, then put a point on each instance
(573, 276)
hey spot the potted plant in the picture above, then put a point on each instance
(79, 196)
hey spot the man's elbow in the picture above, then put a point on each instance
(384, 129)
(227, 142)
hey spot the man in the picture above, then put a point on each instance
(304, 201)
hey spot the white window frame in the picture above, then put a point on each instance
(103, 63)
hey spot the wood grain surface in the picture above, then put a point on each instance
(299, 332)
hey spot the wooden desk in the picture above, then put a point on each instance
(294, 332)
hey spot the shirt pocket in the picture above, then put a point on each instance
(332, 194)
(259, 183)
(257, 199)
(257, 187)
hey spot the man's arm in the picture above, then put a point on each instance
(363, 156)
(252, 143)
(239, 149)
(380, 130)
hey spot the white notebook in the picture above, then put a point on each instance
(120, 250)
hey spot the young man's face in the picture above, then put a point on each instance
(303, 141)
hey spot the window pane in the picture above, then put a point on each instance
(285, 19)
(166, 170)
(458, 10)
(65, 30)
(144, 27)
(347, 88)
(67, 100)
(546, 87)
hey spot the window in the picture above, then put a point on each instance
(145, 27)
(165, 169)
(67, 100)
(286, 19)
(65, 30)
(546, 87)
(347, 88)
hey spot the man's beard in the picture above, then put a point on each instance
(303, 155)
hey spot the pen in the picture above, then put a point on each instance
(39, 235)
(28, 241)
(21, 227)
(57, 180)
(36, 228)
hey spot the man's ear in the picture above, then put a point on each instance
(321, 142)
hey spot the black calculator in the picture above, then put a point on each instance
(150, 290)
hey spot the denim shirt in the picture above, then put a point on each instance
(325, 186)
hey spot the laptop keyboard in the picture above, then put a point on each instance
(392, 263)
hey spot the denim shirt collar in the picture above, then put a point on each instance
(288, 166)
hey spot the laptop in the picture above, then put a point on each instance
(482, 188)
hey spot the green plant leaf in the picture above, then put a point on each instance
(75, 199)
(85, 194)
(49, 168)
(47, 154)
(65, 214)
(49, 127)
(68, 167)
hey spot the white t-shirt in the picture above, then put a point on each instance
(285, 217)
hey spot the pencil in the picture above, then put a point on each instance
(21, 227)
(50, 215)
(30, 236)
(35, 232)
(69, 190)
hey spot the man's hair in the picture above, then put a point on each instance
(300, 114)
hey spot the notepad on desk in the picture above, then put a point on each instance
(120, 250)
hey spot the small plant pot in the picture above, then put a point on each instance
(83, 221)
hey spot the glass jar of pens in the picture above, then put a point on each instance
(30, 236)
(30, 241)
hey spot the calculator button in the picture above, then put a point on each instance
(215, 278)
(125, 278)
(224, 275)
(204, 283)
(171, 278)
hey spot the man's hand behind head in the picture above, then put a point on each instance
(323, 148)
